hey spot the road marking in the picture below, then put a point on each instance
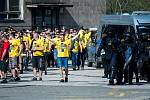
(116, 93)
(122, 94)
(111, 94)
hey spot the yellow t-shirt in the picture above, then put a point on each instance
(37, 44)
(41, 37)
(82, 38)
(68, 36)
(56, 40)
(29, 39)
(63, 48)
(85, 39)
(46, 44)
(75, 46)
(26, 41)
(81, 32)
(14, 47)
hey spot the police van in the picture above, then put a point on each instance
(137, 24)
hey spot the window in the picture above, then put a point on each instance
(13, 5)
(2, 5)
(11, 9)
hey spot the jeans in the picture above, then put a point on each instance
(55, 54)
(74, 56)
(26, 62)
(91, 54)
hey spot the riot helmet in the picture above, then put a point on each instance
(128, 38)
(110, 31)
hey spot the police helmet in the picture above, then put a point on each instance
(128, 38)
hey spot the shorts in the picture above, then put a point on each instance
(38, 62)
(4, 66)
(62, 62)
(13, 61)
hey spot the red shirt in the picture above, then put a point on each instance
(1, 49)
(4, 46)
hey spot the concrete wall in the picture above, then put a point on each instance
(83, 13)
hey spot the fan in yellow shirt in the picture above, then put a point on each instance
(14, 47)
(46, 44)
(84, 36)
(37, 59)
(56, 39)
(81, 33)
(75, 47)
(55, 48)
(14, 51)
(47, 52)
(62, 47)
(29, 39)
(38, 47)
(26, 41)
(67, 35)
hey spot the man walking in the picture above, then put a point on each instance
(37, 59)
(4, 56)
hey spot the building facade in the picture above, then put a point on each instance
(51, 13)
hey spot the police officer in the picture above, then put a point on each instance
(116, 63)
(144, 56)
(130, 65)
(105, 44)
(113, 56)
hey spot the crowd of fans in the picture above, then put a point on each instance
(45, 48)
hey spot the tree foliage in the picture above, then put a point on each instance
(122, 6)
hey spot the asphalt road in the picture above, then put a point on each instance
(83, 85)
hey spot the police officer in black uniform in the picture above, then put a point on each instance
(113, 56)
(144, 56)
(105, 45)
(131, 51)
(117, 61)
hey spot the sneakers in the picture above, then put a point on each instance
(45, 72)
(12, 79)
(17, 79)
(61, 80)
(4, 81)
(111, 82)
(34, 79)
(40, 79)
(74, 69)
(21, 72)
(137, 80)
(104, 76)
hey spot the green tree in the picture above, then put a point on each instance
(121, 6)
